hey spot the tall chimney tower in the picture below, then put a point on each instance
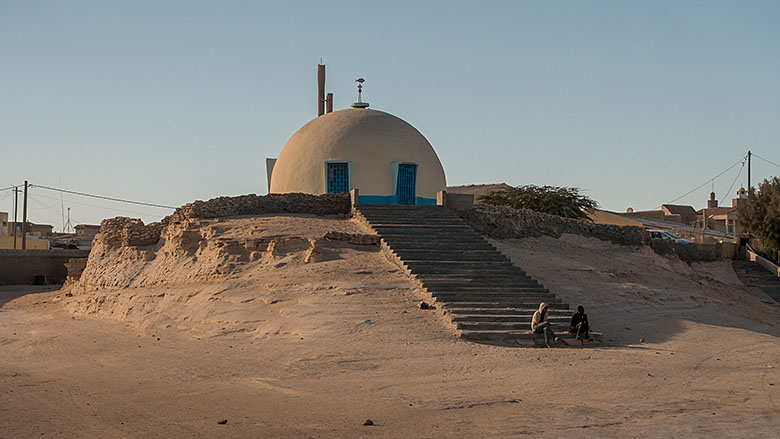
(712, 202)
(320, 89)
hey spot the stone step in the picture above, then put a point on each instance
(412, 253)
(521, 311)
(400, 207)
(418, 226)
(451, 257)
(474, 266)
(510, 326)
(441, 246)
(413, 219)
(434, 241)
(498, 335)
(495, 279)
(476, 307)
(526, 291)
(451, 286)
(438, 231)
(515, 318)
(505, 299)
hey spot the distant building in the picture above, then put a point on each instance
(4, 224)
(87, 229)
(674, 213)
(38, 230)
(721, 218)
(657, 215)
(478, 190)
(33, 243)
(686, 214)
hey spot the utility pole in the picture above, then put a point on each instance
(16, 209)
(749, 155)
(24, 218)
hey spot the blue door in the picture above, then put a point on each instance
(407, 176)
(338, 178)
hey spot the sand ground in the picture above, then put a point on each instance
(331, 349)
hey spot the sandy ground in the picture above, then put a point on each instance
(313, 350)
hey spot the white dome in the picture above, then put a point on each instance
(372, 144)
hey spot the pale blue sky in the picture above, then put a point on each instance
(172, 101)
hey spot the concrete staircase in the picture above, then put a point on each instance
(486, 297)
(752, 274)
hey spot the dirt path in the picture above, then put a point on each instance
(84, 377)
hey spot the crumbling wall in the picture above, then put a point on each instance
(688, 252)
(131, 232)
(502, 222)
(127, 232)
(327, 204)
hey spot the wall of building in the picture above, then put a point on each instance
(27, 267)
(33, 243)
(3, 223)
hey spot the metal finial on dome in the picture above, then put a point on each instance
(360, 103)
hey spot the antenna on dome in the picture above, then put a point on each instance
(360, 103)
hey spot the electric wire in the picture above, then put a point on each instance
(768, 161)
(99, 207)
(735, 181)
(47, 207)
(706, 182)
(140, 203)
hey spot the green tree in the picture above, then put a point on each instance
(760, 215)
(562, 201)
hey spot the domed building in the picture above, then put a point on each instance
(386, 159)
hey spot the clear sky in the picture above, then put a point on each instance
(172, 101)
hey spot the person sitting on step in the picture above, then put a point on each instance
(579, 324)
(540, 325)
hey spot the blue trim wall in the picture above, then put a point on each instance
(393, 199)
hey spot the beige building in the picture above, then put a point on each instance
(721, 218)
(478, 190)
(37, 230)
(33, 243)
(87, 229)
(385, 158)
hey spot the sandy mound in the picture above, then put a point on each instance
(252, 273)
(314, 349)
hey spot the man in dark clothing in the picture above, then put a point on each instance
(579, 324)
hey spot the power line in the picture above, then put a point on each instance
(99, 207)
(768, 161)
(735, 179)
(140, 203)
(46, 206)
(742, 160)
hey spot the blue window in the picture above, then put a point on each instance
(338, 178)
(407, 176)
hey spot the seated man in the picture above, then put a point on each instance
(579, 324)
(540, 325)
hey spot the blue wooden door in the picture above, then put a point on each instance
(407, 178)
(338, 178)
